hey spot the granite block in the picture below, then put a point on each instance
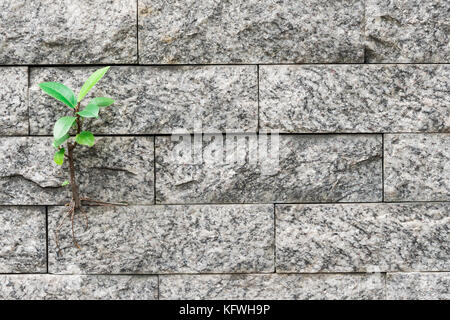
(273, 287)
(412, 31)
(165, 239)
(116, 169)
(23, 243)
(253, 31)
(323, 168)
(417, 167)
(13, 101)
(78, 287)
(375, 237)
(329, 238)
(418, 286)
(68, 31)
(152, 100)
(355, 98)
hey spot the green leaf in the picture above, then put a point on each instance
(60, 92)
(103, 102)
(65, 183)
(91, 111)
(59, 156)
(62, 126)
(85, 138)
(58, 142)
(91, 81)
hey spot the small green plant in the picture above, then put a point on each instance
(69, 130)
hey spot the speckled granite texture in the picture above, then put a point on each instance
(153, 100)
(418, 286)
(413, 31)
(23, 240)
(355, 98)
(252, 31)
(77, 287)
(348, 197)
(273, 286)
(325, 168)
(13, 101)
(102, 171)
(363, 237)
(167, 239)
(417, 167)
(67, 31)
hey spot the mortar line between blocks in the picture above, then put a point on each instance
(385, 285)
(274, 239)
(154, 170)
(257, 95)
(127, 64)
(235, 133)
(28, 100)
(137, 32)
(246, 203)
(46, 237)
(363, 35)
(261, 273)
(382, 168)
(158, 281)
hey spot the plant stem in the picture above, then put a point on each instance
(73, 183)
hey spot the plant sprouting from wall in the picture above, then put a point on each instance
(68, 133)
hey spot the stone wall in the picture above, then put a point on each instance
(358, 89)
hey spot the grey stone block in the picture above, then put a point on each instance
(328, 238)
(115, 169)
(325, 168)
(23, 244)
(68, 31)
(417, 236)
(417, 167)
(273, 287)
(363, 237)
(355, 98)
(255, 31)
(153, 100)
(13, 100)
(407, 31)
(418, 286)
(166, 239)
(78, 287)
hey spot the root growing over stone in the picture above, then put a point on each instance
(73, 209)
